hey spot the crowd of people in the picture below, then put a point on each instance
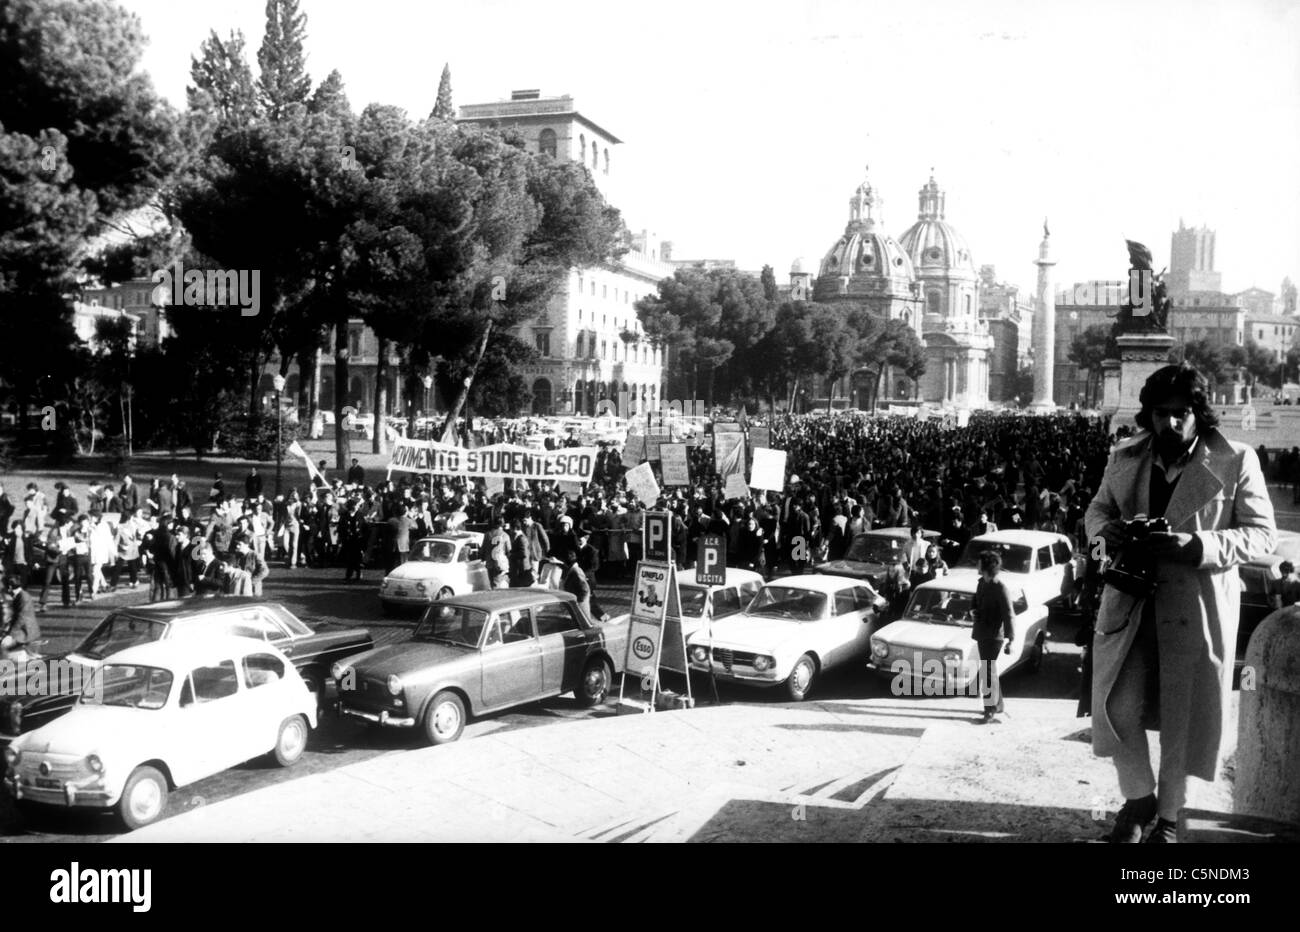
(846, 475)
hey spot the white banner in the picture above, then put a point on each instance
(769, 470)
(503, 460)
(675, 467)
(633, 450)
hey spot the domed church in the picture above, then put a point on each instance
(928, 279)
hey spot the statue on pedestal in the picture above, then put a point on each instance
(1148, 304)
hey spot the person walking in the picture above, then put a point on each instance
(59, 544)
(992, 629)
(497, 554)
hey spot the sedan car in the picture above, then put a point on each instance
(160, 716)
(439, 566)
(873, 552)
(312, 650)
(1040, 562)
(700, 602)
(930, 649)
(795, 628)
(481, 653)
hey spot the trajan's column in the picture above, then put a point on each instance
(1044, 329)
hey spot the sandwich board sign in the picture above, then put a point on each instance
(654, 595)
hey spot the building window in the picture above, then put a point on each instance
(932, 302)
(967, 305)
(577, 347)
(593, 289)
(604, 291)
(595, 157)
(607, 161)
(543, 343)
(546, 142)
(582, 147)
(604, 349)
(354, 343)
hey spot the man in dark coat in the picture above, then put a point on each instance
(992, 630)
(576, 582)
(252, 483)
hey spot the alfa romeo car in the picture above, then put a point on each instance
(159, 716)
(794, 629)
(439, 566)
(480, 653)
(930, 647)
(311, 649)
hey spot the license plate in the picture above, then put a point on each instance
(47, 783)
(401, 592)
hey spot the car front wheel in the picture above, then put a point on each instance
(596, 677)
(291, 742)
(801, 678)
(444, 719)
(143, 798)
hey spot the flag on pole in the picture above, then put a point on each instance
(295, 449)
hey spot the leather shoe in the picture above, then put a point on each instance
(1133, 817)
(1165, 832)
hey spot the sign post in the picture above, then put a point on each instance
(654, 596)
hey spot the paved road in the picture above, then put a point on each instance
(323, 595)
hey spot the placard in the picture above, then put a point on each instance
(676, 470)
(653, 445)
(633, 450)
(736, 487)
(769, 470)
(729, 453)
(726, 427)
(641, 481)
(760, 437)
(570, 488)
(494, 485)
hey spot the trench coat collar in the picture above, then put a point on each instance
(1198, 484)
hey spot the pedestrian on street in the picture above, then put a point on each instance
(576, 582)
(992, 629)
(496, 550)
(59, 544)
(20, 630)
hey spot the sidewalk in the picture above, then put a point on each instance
(882, 769)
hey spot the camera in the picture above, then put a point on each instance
(1134, 571)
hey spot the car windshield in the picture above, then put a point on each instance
(1016, 558)
(452, 624)
(434, 551)
(129, 685)
(873, 548)
(943, 606)
(694, 599)
(118, 632)
(788, 602)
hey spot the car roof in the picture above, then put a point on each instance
(189, 608)
(902, 533)
(735, 577)
(1023, 537)
(963, 582)
(450, 536)
(501, 600)
(184, 653)
(820, 582)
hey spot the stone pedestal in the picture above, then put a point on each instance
(1110, 370)
(1140, 354)
(1268, 742)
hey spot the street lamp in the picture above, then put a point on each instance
(278, 381)
(428, 384)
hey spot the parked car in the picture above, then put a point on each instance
(871, 553)
(160, 716)
(794, 629)
(931, 643)
(700, 602)
(1041, 562)
(438, 566)
(312, 650)
(481, 653)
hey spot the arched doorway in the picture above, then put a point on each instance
(542, 396)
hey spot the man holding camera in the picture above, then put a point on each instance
(1166, 629)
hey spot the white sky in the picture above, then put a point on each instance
(746, 125)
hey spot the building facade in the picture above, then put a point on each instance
(1009, 319)
(1274, 333)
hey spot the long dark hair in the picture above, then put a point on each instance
(1179, 379)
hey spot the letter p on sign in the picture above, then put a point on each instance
(657, 542)
(711, 567)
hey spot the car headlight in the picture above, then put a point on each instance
(952, 657)
(879, 648)
(12, 756)
(419, 587)
(338, 671)
(395, 685)
(94, 763)
(700, 654)
(763, 664)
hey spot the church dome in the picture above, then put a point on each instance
(865, 255)
(932, 244)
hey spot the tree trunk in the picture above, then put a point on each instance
(254, 376)
(794, 391)
(830, 395)
(463, 394)
(306, 376)
(708, 388)
(341, 450)
(381, 397)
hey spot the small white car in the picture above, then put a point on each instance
(795, 628)
(1042, 562)
(931, 644)
(439, 566)
(160, 716)
(701, 602)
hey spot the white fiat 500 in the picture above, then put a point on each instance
(930, 650)
(439, 566)
(160, 716)
(794, 629)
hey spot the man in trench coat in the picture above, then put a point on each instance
(1168, 659)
